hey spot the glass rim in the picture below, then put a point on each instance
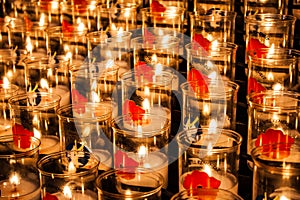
(133, 133)
(273, 93)
(151, 173)
(55, 100)
(57, 31)
(129, 75)
(289, 54)
(186, 87)
(184, 140)
(81, 69)
(203, 16)
(288, 166)
(104, 105)
(114, 34)
(57, 155)
(20, 154)
(161, 41)
(270, 18)
(168, 12)
(232, 196)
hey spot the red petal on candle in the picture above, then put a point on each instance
(67, 28)
(255, 45)
(80, 5)
(149, 37)
(202, 41)
(1, 81)
(198, 81)
(123, 161)
(78, 99)
(254, 86)
(28, 23)
(22, 136)
(46, 4)
(50, 197)
(144, 70)
(200, 179)
(272, 136)
(157, 7)
(129, 107)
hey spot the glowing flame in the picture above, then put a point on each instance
(146, 105)
(207, 170)
(142, 152)
(271, 51)
(6, 83)
(154, 58)
(42, 20)
(283, 198)
(214, 45)
(14, 179)
(147, 91)
(277, 87)
(80, 26)
(37, 133)
(67, 192)
(29, 46)
(206, 109)
(54, 5)
(71, 167)
(113, 27)
(44, 83)
(270, 76)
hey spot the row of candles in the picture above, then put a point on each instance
(51, 60)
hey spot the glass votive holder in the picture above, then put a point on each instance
(19, 175)
(119, 16)
(68, 175)
(83, 14)
(142, 142)
(214, 25)
(143, 91)
(137, 184)
(45, 75)
(28, 37)
(110, 45)
(269, 30)
(273, 69)
(93, 82)
(273, 117)
(202, 108)
(276, 171)
(156, 52)
(68, 41)
(209, 158)
(164, 18)
(221, 54)
(48, 9)
(34, 114)
(6, 91)
(205, 193)
(88, 125)
(251, 7)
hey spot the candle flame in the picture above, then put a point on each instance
(142, 152)
(42, 20)
(146, 105)
(147, 91)
(71, 167)
(14, 179)
(29, 46)
(154, 58)
(80, 25)
(113, 27)
(206, 109)
(270, 76)
(207, 170)
(283, 198)
(6, 83)
(67, 192)
(277, 87)
(44, 83)
(54, 5)
(271, 51)
(36, 132)
(214, 45)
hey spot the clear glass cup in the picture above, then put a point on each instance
(215, 25)
(142, 142)
(138, 184)
(251, 7)
(273, 116)
(44, 74)
(68, 175)
(209, 158)
(34, 114)
(88, 125)
(6, 91)
(276, 171)
(93, 82)
(204, 193)
(269, 30)
(273, 69)
(19, 175)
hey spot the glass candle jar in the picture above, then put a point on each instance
(68, 175)
(34, 114)
(276, 171)
(209, 158)
(19, 175)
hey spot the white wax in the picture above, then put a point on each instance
(49, 144)
(78, 195)
(156, 161)
(228, 181)
(153, 122)
(63, 92)
(24, 191)
(105, 159)
(5, 127)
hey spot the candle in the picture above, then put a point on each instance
(49, 144)
(69, 194)
(63, 92)
(105, 159)
(5, 127)
(19, 188)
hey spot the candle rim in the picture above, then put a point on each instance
(253, 19)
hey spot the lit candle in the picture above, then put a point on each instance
(19, 188)
(69, 194)
(49, 143)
